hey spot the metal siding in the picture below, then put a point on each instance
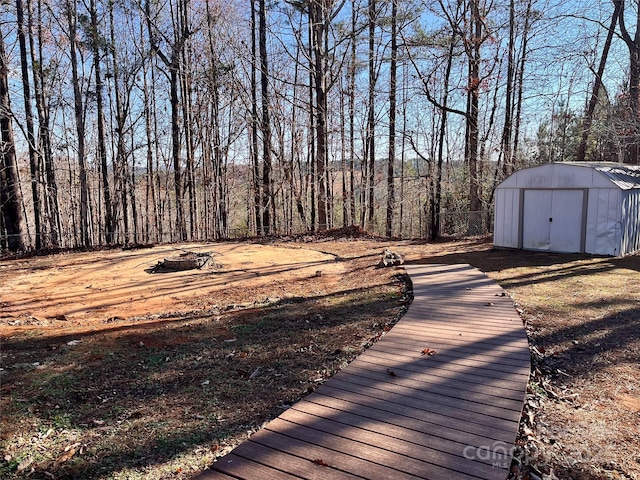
(630, 234)
(506, 218)
(536, 231)
(612, 218)
(603, 229)
(592, 220)
(566, 220)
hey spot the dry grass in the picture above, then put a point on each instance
(164, 398)
(582, 414)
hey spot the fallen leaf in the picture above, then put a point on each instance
(24, 464)
(66, 456)
(428, 351)
(391, 372)
(319, 461)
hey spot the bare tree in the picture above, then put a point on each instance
(10, 198)
(633, 45)
(44, 134)
(172, 61)
(597, 84)
(393, 71)
(265, 125)
(34, 157)
(71, 14)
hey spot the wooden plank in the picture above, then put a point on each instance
(464, 363)
(373, 416)
(213, 475)
(240, 467)
(454, 390)
(305, 445)
(430, 416)
(415, 348)
(503, 381)
(409, 337)
(460, 409)
(311, 468)
(481, 392)
(402, 463)
(426, 414)
(413, 450)
(481, 370)
(393, 385)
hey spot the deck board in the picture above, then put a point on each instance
(397, 413)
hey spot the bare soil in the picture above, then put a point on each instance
(112, 371)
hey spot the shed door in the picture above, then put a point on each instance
(552, 220)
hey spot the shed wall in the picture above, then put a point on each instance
(602, 233)
(630, 235)
(507, 218)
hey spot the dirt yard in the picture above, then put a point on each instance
(83, 292)
(110, 371)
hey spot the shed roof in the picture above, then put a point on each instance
(576, 175)
(623, 175)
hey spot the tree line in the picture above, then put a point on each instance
(136, 121)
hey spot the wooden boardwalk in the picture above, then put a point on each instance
(397, 412)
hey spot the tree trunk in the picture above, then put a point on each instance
(187, 128)
(593, 101)
(257, 198)
(318, 19)
(265, 124)
(392, 118)
(520, 81)
(80, 129)
(633, 45)
(10, 198)
(507, 165)
(180, 36)
(371, 127)
(51, 190)
(436, 180)
(352, 115)
(475, 59)
(102, 149)
(34, 158)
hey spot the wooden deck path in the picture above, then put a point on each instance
(396, 413)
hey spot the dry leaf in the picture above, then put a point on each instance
(428, 351)
(319, 461)
(66, 456)
(24, 464)
(391, 372)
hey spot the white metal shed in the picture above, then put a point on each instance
(570, 207)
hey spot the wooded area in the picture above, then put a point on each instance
(140, 121)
